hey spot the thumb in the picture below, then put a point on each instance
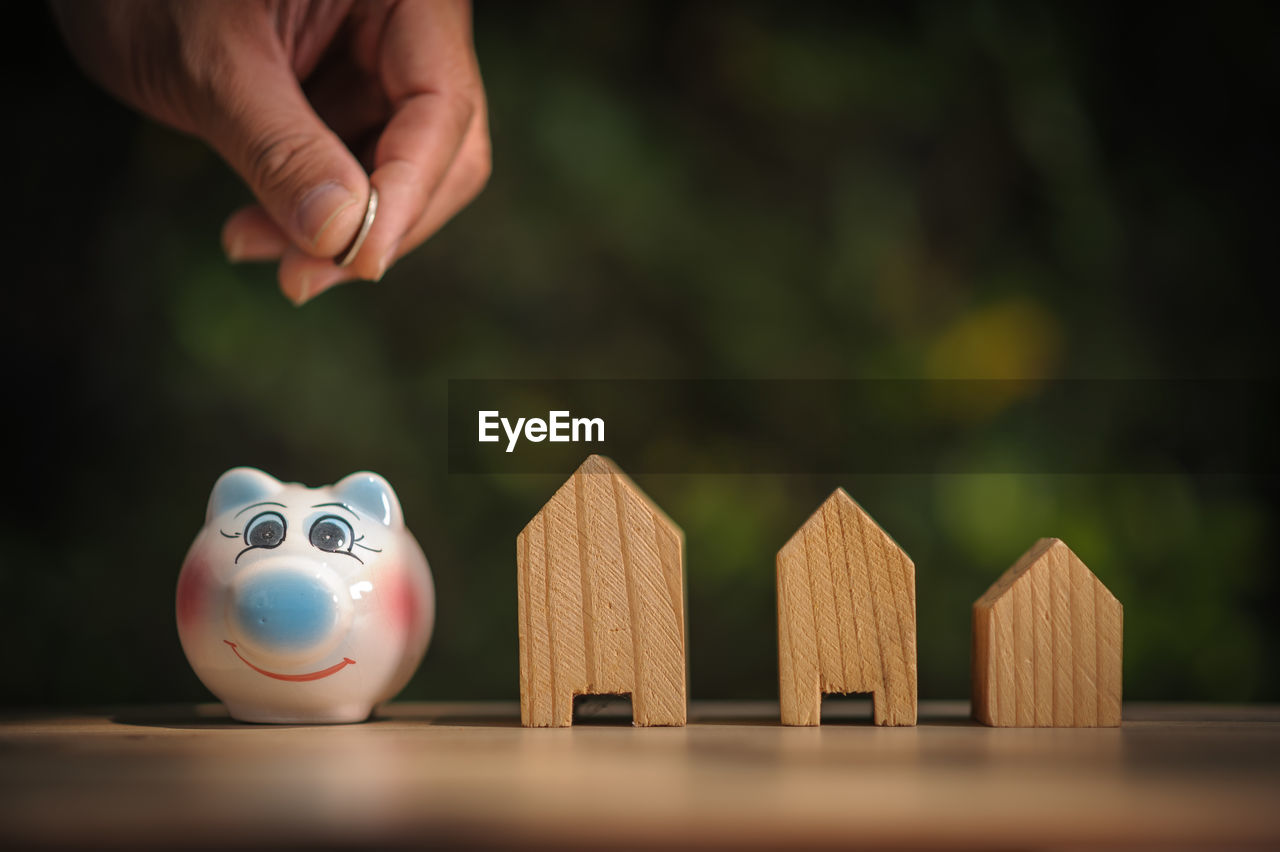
(261, 123)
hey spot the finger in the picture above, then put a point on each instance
(466, 178)
(250, 234)
(303, 278)
(354, 107)
(413, 156)
(427, 67)
(306, 179)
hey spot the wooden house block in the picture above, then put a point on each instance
(846, 616)
(601, 595)
(1047, 640)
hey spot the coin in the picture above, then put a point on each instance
(369, 212)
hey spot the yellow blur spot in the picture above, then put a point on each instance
(1013, 346)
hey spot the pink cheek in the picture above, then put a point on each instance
(193, 591)
(399, 603)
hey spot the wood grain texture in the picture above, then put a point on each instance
(469, 776)
(1047, 645)
(600, 579)
(846, 616)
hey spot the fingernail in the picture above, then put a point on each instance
(235, 251)
(320, 207)
(304, 289)
(385, 263)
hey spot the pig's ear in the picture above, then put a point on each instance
(240, 486)
(371, 496)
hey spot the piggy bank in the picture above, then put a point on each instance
(299, 604)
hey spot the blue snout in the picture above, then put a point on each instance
(285, 610)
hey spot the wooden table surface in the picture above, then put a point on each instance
(453, 774)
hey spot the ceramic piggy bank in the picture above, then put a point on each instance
(301, 604)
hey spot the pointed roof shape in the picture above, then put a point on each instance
(1047, 638)
(1049, 555)
(601, 601)
(839, 506)
(846, 616)
(598, 465)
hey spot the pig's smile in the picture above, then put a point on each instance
(295, 678)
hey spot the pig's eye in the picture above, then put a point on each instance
(265, 529)
(332, 534)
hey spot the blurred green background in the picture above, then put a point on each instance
(916, 190)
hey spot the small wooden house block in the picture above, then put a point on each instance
(601, 595)
(1047, 640)
(846, 616)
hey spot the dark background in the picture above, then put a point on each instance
(692, 190)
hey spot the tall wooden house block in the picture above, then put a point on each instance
(601, 595)
(846, 616)
(1047, 639)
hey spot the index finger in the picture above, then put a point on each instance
(427, 67)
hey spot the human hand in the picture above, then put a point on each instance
(395, 81)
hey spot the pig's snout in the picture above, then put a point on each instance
(289, 611)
